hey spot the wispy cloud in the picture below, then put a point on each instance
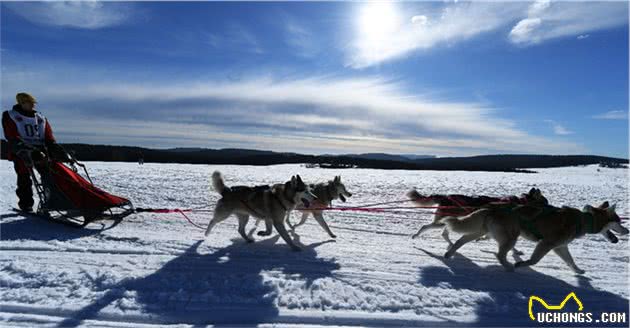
(301, 39)
(75, 14)
(389, 31)
(558, 128)
(237, 37)
(385, 31)
(549, 20)
(315, 114)
(612, 115)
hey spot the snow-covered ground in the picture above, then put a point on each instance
(156, 269)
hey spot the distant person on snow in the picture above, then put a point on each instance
(31, 142)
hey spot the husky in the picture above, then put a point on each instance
(460, 205)
(551, 227)
(269, 203)
(325, 193)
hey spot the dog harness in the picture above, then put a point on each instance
(251, 209)
(284, 192)
(587, 216)
(589, 220)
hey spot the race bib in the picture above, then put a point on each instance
(30, 129)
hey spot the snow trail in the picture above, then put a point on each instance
(155, 270)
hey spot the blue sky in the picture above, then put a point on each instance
(443, 78)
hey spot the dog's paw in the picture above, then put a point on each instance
(520, 264)
(333, 236)
(579, 271)
(517, 252)
(264, 233)
(414, 236)
(448, 255)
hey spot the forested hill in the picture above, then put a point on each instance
(510, 163)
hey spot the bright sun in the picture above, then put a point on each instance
(378, 21)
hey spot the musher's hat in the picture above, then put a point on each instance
(23, 97)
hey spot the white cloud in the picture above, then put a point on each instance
(550, 20)
(558, 128)
(165, 134)
(522, 31)
(76, 14)
(332, 113)
(613, 115)
(366, 113)
(582, 36)
(350, 97)
(383, 33)
(420, 20)
(538, 7)
(389, 31)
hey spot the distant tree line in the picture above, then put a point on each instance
(507, 163)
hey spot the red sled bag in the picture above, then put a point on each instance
(67, 196)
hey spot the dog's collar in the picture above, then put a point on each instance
(330, 195)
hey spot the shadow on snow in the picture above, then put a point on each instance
(509, 292)
(225, 286)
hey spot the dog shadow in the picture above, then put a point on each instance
(224, 287)
(509, 292)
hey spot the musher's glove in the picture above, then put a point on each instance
(67, 158)
(38, 156)
(24, 154)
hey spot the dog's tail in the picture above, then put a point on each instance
(470, 223)
(418, 198)
(217, 182)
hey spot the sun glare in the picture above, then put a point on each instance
(378, 21)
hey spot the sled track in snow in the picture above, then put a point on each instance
(153, 271)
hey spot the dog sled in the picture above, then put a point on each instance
(66, 197)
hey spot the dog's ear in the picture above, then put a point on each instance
(604, 205)
(532, 191)
(299, 179)
(293, 180)
(611, 209)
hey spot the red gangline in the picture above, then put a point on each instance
(168, 210)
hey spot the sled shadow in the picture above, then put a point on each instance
(509, 292)
(31, 228)
(223, 287)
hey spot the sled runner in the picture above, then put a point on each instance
(67, 197)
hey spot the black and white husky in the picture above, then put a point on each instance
(269, 203)
(325, 192)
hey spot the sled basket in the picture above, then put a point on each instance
(66, 195)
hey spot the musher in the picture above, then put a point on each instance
(31, 142)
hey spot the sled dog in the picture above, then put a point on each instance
(269, 203)
(325, 193)
(460, 205)
(550, 227)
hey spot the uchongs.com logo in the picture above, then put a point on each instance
(553, 314)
